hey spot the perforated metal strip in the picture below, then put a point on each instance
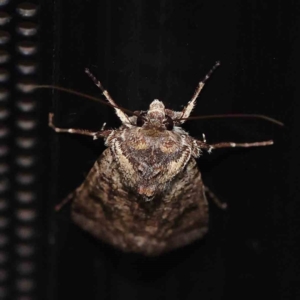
(26, 155)
(5, 151)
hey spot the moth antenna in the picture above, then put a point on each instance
(254, 116)
(122, 116)
(29, 87)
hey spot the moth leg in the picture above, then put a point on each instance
(190, 106)
(60, 205)
(100, 86)
(122, 116)
(94, 134)
(243, 145)
(204, 145)
(69, 130)
(215, 199)
(69, 198)
(210, 147)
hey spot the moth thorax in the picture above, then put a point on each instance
(146, 191)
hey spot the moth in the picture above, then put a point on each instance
(145, 194)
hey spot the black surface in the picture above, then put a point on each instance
(141, 50)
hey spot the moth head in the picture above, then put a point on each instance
(155, 117)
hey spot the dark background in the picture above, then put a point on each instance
(141, 50)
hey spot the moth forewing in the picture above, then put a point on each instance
(105, 207)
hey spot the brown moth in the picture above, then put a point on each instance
(145, 194)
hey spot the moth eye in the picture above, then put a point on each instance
(168, 122)
(140, 120)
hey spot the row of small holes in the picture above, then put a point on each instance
(26, 155)
(5, 184)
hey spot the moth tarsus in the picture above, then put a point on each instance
(145, 194)
(215, 199)
(94, 134)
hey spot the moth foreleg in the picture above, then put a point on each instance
(188, 109)
(123, 117)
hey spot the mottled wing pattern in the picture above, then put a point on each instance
(108, 210)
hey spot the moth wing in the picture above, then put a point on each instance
(103, 207)
(94, 207)
(192, 218)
